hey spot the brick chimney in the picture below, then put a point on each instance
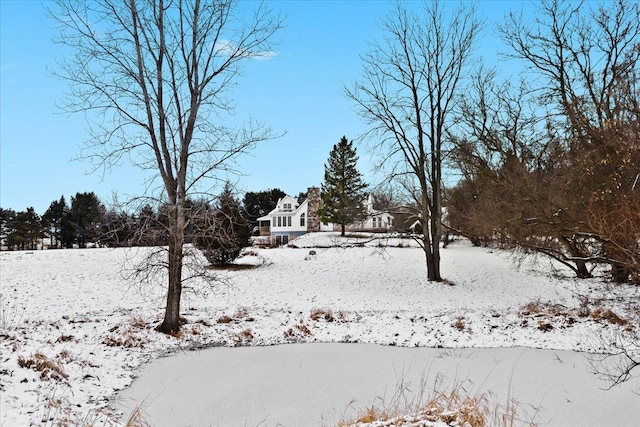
(313, 221)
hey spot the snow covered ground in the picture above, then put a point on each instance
(74, 332)
(323, 384)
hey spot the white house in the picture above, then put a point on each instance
(376, 220)
(290, 219)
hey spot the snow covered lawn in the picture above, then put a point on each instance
(324, 384)
(74, 332)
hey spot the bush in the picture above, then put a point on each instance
(221, 234)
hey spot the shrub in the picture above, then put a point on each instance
(222, 231)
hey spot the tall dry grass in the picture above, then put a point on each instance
(458, 405)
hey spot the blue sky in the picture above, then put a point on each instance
(298, 91)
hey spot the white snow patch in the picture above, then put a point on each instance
(74, 309)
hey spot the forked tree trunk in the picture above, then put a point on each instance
(432, 255)
(582, 272)
(171, 322)
(434, 271)
(431, 246)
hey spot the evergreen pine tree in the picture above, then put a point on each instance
(257, 204)
(221, 235)
(86, 214)
(52, 221)
(343, 188)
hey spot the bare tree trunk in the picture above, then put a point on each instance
(171, 322)
(158, 71)
(581, 269)
(410, 85)
(436, 234)
(430, 246)
(432, 266)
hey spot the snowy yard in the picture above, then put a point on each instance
(74, 332)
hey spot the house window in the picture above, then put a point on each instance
(302, 218)
(375, 222)
(279, 221)
(389, 221)
(287, 207)
(288, 221)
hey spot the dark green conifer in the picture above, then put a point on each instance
(343, 190)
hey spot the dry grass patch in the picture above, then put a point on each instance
(546, 314)
(65, 338)
(126, 340)
(298, 332)
(600, 314)
(66, 354)
(460, 325)
(544, 326)
(318, 314)
(203, 323)
(59, 412)
(127, 336)
(459, 407)
(241, 314)
(49, 369)
(241, 338)
(539, 309)
(136, 419)
(225, 319)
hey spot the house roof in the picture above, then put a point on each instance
(279, 209)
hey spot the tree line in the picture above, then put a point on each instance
(221, 225)
(63, 224)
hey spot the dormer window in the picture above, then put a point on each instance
(286, 207)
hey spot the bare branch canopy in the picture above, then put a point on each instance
(154, 80)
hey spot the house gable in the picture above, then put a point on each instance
(288, 218)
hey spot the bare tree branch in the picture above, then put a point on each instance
(409, 85)
(153, 79)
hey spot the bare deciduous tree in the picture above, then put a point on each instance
(153, 78)
(515, 167)
(408, 88)
(586, 63)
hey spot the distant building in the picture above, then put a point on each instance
(377, 221)
(290, 219)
